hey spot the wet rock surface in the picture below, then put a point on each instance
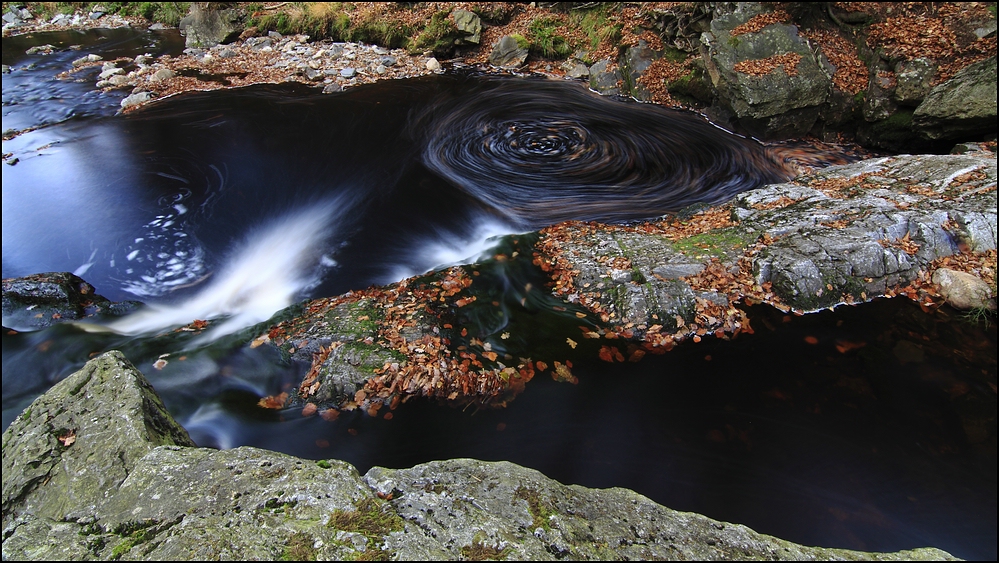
(41, 300)
(160, 498)
(845, 234)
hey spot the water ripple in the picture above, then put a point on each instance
(542, 151)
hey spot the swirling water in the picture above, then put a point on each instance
(235, 204)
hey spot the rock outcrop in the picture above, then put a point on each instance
(964, 106)
(41, 300)
(96, 469)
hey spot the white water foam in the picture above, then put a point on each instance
(447, 249)
(263, 276)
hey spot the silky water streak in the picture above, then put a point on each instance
(276, 264)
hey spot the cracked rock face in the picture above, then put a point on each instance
(96, 469)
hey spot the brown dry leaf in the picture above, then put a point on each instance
(309, 409)
(329, 415)
(572, 343)
(273, 401)
(67, 438)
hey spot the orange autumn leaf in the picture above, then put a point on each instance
(541, 365)
(309, 409)
(67, 438)
(637, 355)
(329, 415)
(606, 354)
(811, 340)
(490, 355)
(199, 324)
(844, 346)
(273, 401)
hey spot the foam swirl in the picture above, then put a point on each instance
(541, 151)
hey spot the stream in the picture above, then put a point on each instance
(870, 427)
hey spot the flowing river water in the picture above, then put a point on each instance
(235, 204)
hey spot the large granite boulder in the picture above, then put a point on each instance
(771, 80)
(963, 107)
(95, 469)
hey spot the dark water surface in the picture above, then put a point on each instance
(234, 204)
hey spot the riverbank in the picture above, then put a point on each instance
(96, 469)
(860, 73)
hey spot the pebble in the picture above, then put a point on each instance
(348, 72)
(433, 65)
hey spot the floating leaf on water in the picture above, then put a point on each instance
(160, 364)
(541, 365)
(273, 401)
(811, 340)
(329, 415)
(505, 335)
(309, 409)
(572, 343)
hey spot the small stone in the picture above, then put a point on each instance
(119, 81)
(6, 69)
(113, 71)
(348, 72)
(580, 70)
(162, 74)
(380, 69)
(91, 58)
(433, 65)
(963, 290)
(136, 99)
(332, 88)
(507, 53)
(388, 60)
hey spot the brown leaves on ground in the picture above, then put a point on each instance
(851, 73)
(905, 243)
(761, 67)
(756, 23)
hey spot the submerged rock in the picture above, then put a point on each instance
(41, 300)
(96, 469)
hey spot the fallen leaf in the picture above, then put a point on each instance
(572, 343)
(309, 409)
(844, 346)
(67, 438)
(811, 340)
(273, 401)
(329, 415)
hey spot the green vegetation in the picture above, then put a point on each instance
(134, 533)
(438, 36)
(373, 518)
(324, 464)
(299, 547)
(478, 551)
(598, 25)
(541, 509)
(711, 242)
(545, 39)
(168, 13)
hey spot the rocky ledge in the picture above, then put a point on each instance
(97, 469)
(923, 227)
